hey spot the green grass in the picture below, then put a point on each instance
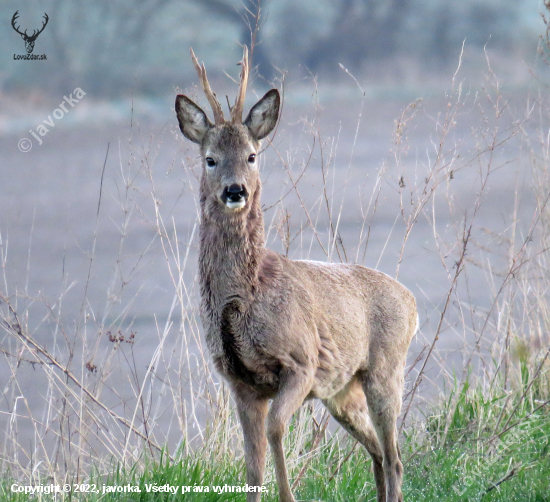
(466, 462)
(463, 465)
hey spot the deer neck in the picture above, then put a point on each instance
(231, 251)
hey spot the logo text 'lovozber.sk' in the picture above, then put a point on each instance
(29, 39)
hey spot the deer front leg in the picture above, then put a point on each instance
(292, 391)
(252, 412)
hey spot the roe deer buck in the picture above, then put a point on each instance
(285, 330)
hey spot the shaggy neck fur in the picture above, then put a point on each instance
(231, 251)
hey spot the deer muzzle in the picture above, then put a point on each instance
(235, 196)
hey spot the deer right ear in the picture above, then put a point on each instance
(264, 114)
(194, 123)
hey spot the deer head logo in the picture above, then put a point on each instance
(29, 39)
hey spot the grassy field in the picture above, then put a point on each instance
(485, 447)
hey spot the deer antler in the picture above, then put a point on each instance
(214, 103)
(34, 35)
(237, 109)
(13, 19)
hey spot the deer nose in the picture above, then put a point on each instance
(234, 196)
(235, 193)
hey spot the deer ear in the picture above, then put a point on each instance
(194, 123)
(262, 118)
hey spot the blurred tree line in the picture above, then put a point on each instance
(110, 47)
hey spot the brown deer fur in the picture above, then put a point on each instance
(285, 330)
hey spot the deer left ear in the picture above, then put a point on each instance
(263, 117)
(194, 123)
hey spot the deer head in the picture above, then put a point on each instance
(29, 39)
(229, 149)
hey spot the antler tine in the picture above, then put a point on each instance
(13, 21)
(237, 110)
(214, 103)
(45, 16)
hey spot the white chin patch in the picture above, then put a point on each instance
(235, 205)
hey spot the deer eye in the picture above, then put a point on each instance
(210, 162)
(252, 158)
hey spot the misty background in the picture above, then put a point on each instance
(113, 48)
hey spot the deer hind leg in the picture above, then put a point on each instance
(292, 391)
(252, 413)
(383, 388)
(349, 408)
